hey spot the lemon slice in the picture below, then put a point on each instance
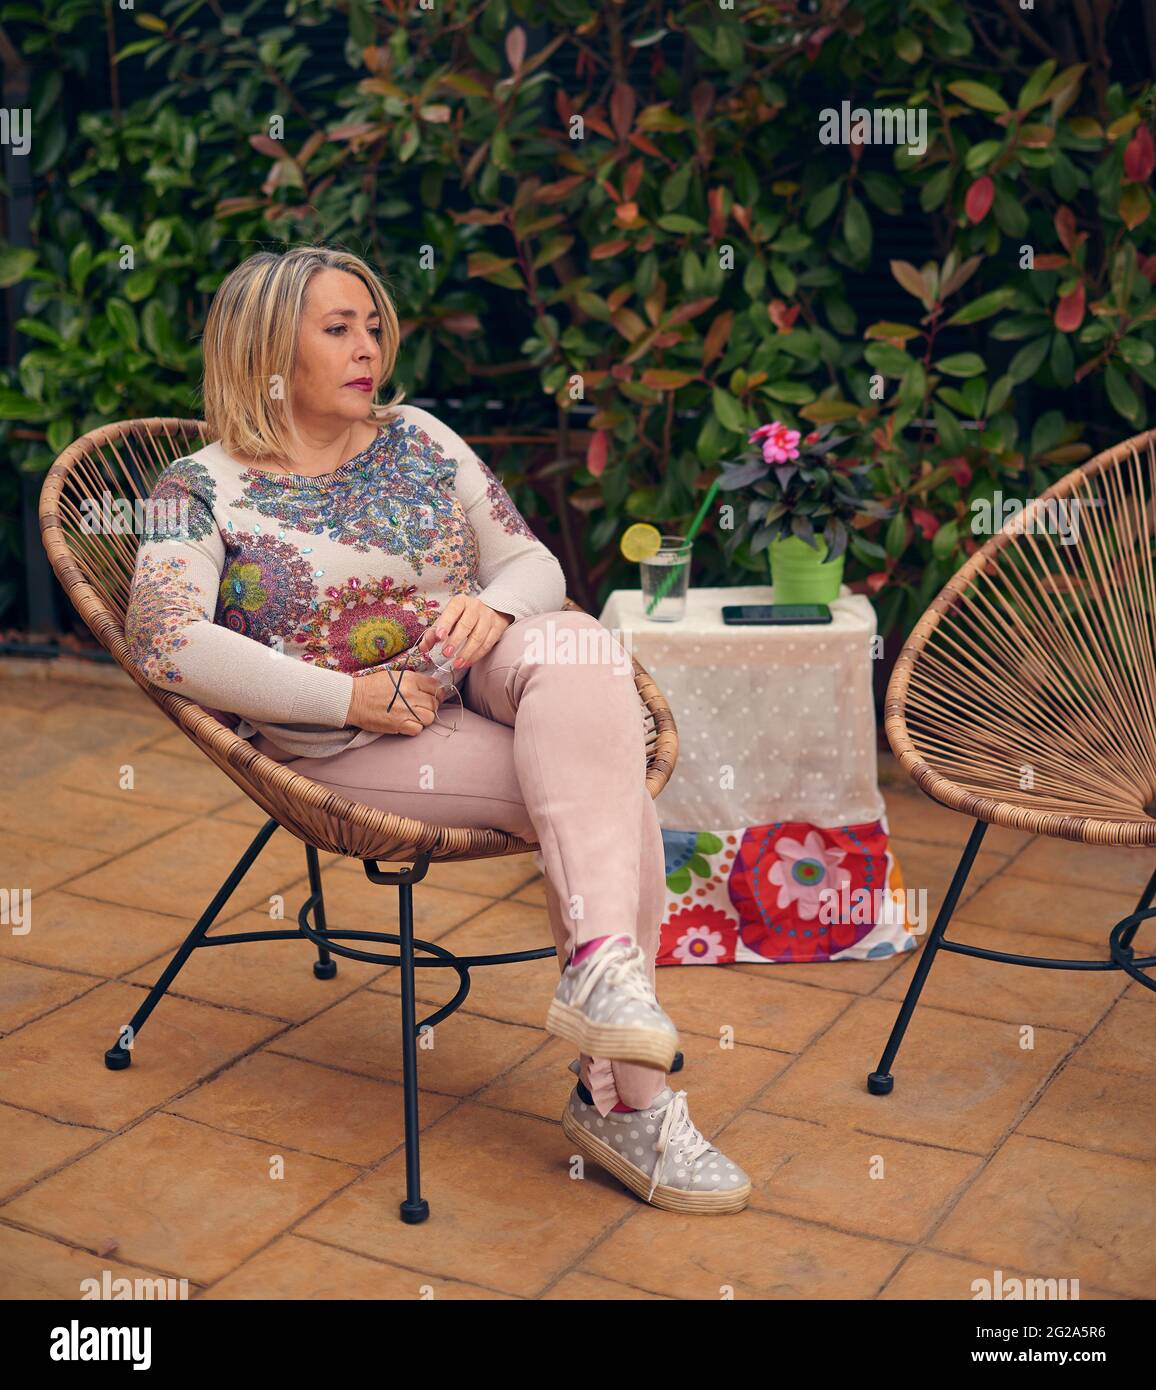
(640, 541)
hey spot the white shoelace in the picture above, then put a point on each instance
(625, 973)
(677, 1128)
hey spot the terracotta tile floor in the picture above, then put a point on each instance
(254, 1147)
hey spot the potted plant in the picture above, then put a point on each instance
(800, 503)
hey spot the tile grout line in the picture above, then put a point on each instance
(155, 1272)
(992, 1154)
(213, 1074)
(1023, 1112)
(441, 1119)
(474, 1097)
(395, 1264)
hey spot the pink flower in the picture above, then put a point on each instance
(804, 871)
(699, 946)
(780, 444)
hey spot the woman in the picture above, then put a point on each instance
(329, 563)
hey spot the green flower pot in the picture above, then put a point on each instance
(798, 574)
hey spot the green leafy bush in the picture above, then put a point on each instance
(633, 216)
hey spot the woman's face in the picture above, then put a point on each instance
(338, 349)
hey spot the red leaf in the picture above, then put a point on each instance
(596, 454)
(718, 217)
(782, 317)
(595, 122)
(516, 48)
(691, 309)
(639, 141)
(622, 107)
(1147, 267)
(343, 132)
(462, 322)
(631, 179)
(1070, 310)
(717, 336)
(275, 149)
(816, 40)
(1066, 228)
(913, 282)
(1139, 156)
(979, 199)
(927, 523)
(876, 581)
(960, 470)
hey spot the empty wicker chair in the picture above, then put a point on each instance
(123, 461)
(1026, 695)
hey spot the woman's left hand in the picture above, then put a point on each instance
(467, 629)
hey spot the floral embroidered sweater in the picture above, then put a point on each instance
(265, 595)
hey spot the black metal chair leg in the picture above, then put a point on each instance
(119, 1057)
(324, 967)
(880, 1081)
(415, 1208)
(1145, 902)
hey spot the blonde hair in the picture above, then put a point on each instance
(250, 339)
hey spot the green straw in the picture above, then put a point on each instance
(668, 580)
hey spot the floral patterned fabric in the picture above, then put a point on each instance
(360, 625)
(165, 603)
(183, 501)
(267, 587)
(789, 893)
(342, 573)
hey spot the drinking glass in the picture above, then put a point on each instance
(666, 573)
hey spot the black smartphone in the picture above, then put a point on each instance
(775, 614)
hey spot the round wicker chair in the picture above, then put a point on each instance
(95, 565)
(1026, 694)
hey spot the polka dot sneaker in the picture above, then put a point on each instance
(605, 1005)
(659, 1154)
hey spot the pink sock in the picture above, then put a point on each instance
(587, 946)
(580, 954)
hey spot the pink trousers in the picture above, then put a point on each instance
(552, 750)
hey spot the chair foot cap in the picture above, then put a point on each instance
(325, 969)
(880, 1083)
(117, 1058)
(413, 1213)
(678, 1062)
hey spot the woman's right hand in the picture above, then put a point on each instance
(372, 693)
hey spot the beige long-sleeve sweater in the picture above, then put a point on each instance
(265, 595)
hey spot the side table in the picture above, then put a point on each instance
(774, 828)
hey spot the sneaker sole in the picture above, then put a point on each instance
(645, 1046)
(665, 1198)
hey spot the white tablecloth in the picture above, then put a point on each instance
(784, 714)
